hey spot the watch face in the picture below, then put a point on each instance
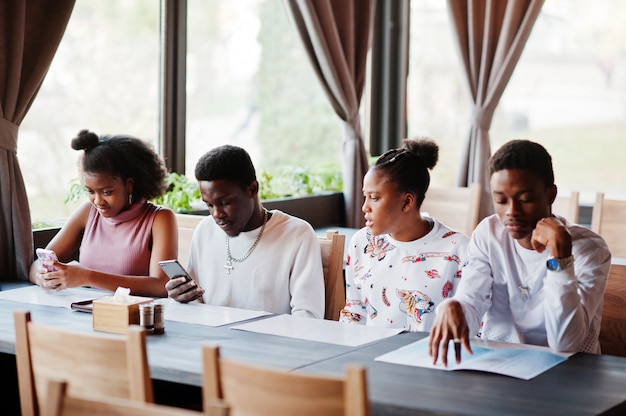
(553, 264)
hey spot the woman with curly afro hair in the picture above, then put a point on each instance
(119, 235)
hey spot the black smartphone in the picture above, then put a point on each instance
(173, 268)
(83, 306)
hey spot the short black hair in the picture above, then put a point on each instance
(226, 162)
(524, 155)
(124, 157)
(408, 166)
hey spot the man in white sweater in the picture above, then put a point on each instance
(531, 277)
(243, 255)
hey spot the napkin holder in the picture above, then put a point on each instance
(112, 314)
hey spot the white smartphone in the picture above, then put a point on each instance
(173, 268)
(47, 259)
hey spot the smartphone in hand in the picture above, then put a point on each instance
(173, 268)
(47, 259)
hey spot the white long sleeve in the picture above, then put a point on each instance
(508, 294)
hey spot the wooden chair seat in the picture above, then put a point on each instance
(332, 247)
(608, 220)
(187, 223)
(613, 329)
(567, 206)
(250, 390)
(458, 208)
(115, 365)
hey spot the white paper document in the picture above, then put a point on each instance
(62, 298)
(321, 330)
(521, 363)
(200, 313)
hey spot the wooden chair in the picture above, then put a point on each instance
(458, 208)
(186, 225)
(332, 247)
(567, 206)
(607, 219)
(60, 403)
(258, 391)
(613, 329)
(114, 365)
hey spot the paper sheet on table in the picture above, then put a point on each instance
(524, 363)
(210, 315)
(321, 330)
(62, 298)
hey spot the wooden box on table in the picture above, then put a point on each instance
(114, 315)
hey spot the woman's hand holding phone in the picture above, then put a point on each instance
(47, 258)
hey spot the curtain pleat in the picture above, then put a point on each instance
(336, 36)
(491, 36)
(30, 32)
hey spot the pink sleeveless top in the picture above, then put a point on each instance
(121, 244)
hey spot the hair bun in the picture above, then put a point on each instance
(85, 140)
(425, 148)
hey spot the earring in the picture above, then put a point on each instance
(130, 198)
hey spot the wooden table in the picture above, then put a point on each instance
(583, 385)
(175, 356)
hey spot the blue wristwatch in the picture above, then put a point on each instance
(556, 265)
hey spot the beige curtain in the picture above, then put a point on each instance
(491, 35)
(30, 32)
(336, 36)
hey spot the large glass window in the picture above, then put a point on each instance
(105, 78)
(568, 92)
(438, 101)
(249, 83)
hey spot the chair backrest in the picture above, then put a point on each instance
(332, 247)
(110, 364)
(60, 403)
(186, 225)
(567, 206)
(607, 219)
(258, 391)
(456, 207)
(613, 330)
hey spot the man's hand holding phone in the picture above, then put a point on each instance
(181, 287)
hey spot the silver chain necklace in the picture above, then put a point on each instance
(230, 259)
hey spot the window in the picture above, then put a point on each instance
(438, 100)
(105, 78)
(567, 93)
(250, 83)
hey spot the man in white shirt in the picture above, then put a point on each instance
(243, 255)
(531, 277)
